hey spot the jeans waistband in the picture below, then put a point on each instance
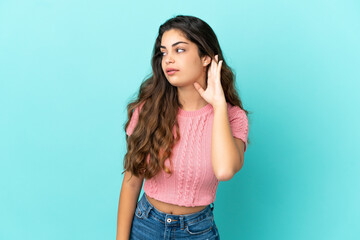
(145, 208)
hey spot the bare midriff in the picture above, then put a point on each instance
(173, 209)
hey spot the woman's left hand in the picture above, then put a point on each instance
(214, 93)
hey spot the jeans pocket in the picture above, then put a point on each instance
(200, 227)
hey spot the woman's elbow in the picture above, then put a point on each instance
(225, 175)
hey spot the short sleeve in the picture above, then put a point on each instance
(239, 123)
(133, 122)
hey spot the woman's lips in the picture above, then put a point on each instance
(172, 72)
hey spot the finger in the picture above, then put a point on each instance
(211, 69)
(220, 66)
(214, 66)
(211, 64)
(212, 73)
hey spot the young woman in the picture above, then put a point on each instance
(186, 131)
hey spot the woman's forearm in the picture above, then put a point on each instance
(225, 156)
(129, 196)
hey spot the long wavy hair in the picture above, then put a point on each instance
(157, 129)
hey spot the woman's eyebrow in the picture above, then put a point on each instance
(174, 44)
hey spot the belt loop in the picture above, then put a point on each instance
(146, 205)
(149, 207)
(182, 222)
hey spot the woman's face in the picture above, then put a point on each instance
(181, 54)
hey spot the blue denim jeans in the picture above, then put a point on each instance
(151, 223)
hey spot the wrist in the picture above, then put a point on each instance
(220, 105)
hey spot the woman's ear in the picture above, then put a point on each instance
(206, 60)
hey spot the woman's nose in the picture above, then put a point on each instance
(169, 59)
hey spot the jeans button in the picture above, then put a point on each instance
(168, 220)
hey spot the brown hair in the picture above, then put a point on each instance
(154, 133)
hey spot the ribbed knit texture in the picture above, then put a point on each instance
(193, 182)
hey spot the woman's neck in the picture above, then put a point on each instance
(190, 99)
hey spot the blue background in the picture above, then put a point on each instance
(68, 69)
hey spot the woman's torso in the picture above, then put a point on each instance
(173, 209)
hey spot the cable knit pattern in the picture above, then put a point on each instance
(190, 160)
(181, 175)
(196, 181)
(193, 182)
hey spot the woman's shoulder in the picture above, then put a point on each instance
(234, 110)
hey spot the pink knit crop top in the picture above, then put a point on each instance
(193, 182)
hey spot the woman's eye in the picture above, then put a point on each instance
(162, 53)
